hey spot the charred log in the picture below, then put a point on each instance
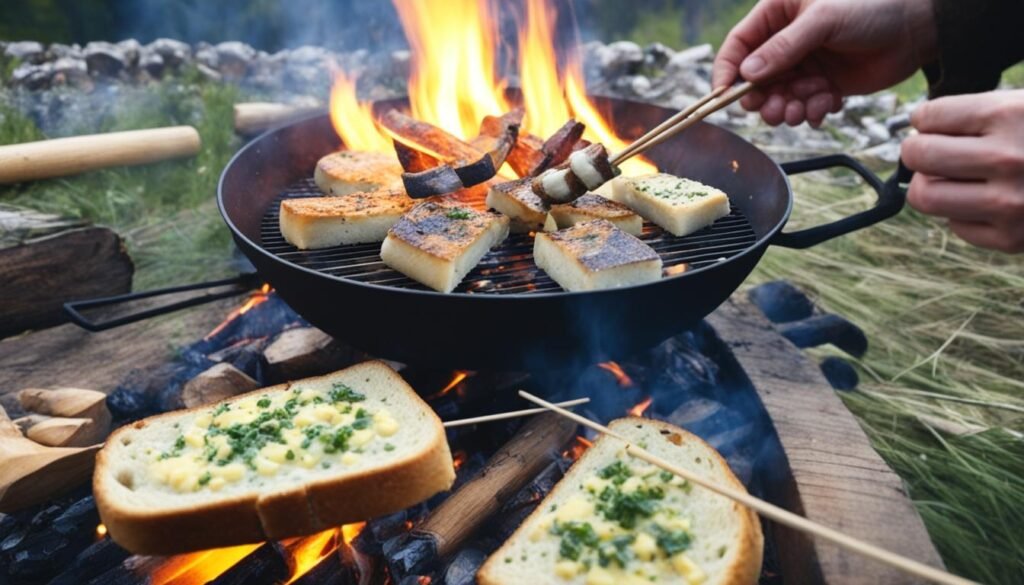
(530, 157)
(267, 564)
(100, 557)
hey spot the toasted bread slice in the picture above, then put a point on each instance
(283, 461)
(350, 171)
(437, 244)
(595, 255)
(516, 199)
(584, 533)
(357, 218)
(592, 206)
(680, 206)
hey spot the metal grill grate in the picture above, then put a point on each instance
(509, 268)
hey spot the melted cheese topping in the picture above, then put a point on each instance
(261, 435)
(623, 527)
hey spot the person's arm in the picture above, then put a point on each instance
(977, 41)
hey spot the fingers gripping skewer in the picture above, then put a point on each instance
(709, 104)
(768, 510)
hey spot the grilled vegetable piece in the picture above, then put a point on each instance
(444, 163)
(592, 206)
(680, 206)
(350, 171)
(516, 199)
(595, 255)
(279, 462)
(614, 519)
(356, 218)
(437, 244)
(531, 156)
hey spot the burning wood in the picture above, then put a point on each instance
(616, 370)
(215, 384)
(437, 162)
(452, 523)
(531, 157)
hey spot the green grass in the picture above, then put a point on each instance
(165, 211)
(942, 391)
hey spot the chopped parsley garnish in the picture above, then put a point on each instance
(628, 509)
(576, 536)
(671, 541)
(263, 402)
(618, 472)
(458, 213)
(342, 393)
(389, 447)
(205, 478)
(221, 409)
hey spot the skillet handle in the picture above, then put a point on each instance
(73, 309)
(892, 194)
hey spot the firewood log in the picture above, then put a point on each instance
(215, 384)
(67, 432)
(69, 403)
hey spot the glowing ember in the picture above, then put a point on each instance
(677, 269)
(349, 532)
(255, 298)
(640, 408)
(454, 85)
(579, 447)
(198, 568)
(616, 370)
(309, 551)
(456, 380)
(101, 531)
(458, 459)
(735, 166)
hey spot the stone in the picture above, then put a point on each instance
(31, 76)
(839, 373)
(27, 51)
(689, 58)
(152, 63)
(876, 131)
(233, 58)
(71, 71)
(174, 53)
(897, 122)
(59, 51)
(781, 302)
(657, 55)
(131, 49)
(208, 72)
(207, 55)
(105, 59)
(887, 153)
(621, 58)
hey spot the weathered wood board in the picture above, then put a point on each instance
(834, 477)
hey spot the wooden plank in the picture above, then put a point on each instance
(70, 356)
(834, 476)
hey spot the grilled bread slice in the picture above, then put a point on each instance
(283, 461)
(357, 218)
(680, 206)
(438, 243)
(592, 206)
(615, 520)
(516, 199)
(595, 255)
(350, 171)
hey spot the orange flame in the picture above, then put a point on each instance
(101, 531)
(458, 459)
(453, 84)
(641, 407)
(579, 447)
(354, 121)
(349, 532)
(255, 298)
(200, 567)
(309, 551)
(616, 370)
(456, 380)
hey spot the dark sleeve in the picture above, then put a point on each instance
(978, 39)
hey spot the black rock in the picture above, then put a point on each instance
(105, 59)
(98, 558)
(463, 567)
(126, 404)
(781, 302)
(839, 373)
(827, 329)
(410, 553)
(82, 515)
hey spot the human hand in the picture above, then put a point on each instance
(969, 158)
(806, 55)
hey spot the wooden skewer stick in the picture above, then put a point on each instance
(678, 117)
(512, 414)
(771, 511)
(706, 108)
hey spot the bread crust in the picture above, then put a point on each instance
(301, 510)
(746, 566)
